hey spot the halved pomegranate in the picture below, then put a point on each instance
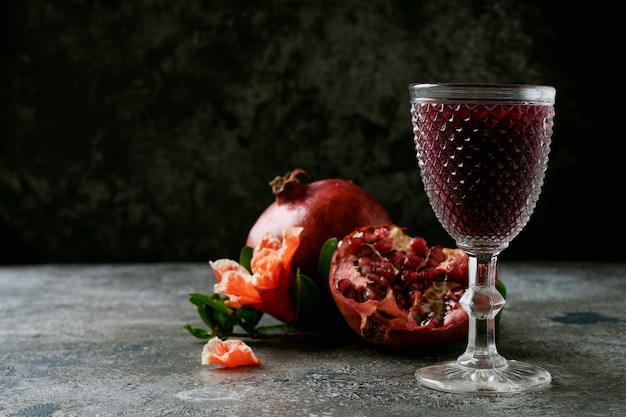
(394, 291)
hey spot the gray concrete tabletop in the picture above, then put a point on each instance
(108, 340)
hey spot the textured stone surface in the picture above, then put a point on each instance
(108, 341)
(144, 131)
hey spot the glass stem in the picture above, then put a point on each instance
(482, 302)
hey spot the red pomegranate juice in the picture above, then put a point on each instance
(482, 166)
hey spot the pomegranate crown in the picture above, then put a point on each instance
(289, 183)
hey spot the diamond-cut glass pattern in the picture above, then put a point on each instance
(483, 167)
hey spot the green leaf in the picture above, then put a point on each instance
(245, 256)
(214, 301)
(198, 332)
(248, 318)
(214, 312)
(326, 255)
(305, 294)
(206, 314)
(224, 323)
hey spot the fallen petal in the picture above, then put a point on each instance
(229, 353)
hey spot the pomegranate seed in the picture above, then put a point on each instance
(365, 270)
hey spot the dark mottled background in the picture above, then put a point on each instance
(147, 130)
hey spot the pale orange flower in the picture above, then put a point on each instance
(266, 288)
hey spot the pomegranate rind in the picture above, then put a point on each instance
(383, 322)
(376, 328)
(229, 353)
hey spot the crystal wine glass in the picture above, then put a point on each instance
(482, 151)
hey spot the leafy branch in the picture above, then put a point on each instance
(221, 320)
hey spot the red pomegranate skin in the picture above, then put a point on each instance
(325, 208)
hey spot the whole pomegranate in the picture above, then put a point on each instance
(325, 208)
(394, 291)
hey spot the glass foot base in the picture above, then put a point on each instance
(515, 377)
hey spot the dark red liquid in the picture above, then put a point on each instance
(482, 166)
